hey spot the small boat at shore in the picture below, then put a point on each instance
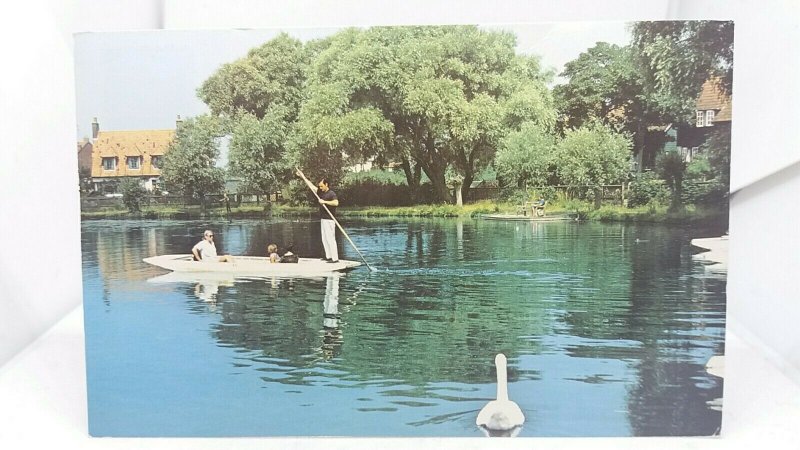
(251, 265)
(522, 218)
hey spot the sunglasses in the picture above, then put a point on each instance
(209, 235)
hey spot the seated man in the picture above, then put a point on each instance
(206, 251)
(538, 207)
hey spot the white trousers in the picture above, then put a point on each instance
(328, 229)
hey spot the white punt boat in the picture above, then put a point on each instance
(258, 266)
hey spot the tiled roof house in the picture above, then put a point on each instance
(134, 153)
(713, 111)
(713, 105)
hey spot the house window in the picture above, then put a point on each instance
(709, 117)
(109, 163)
(134, 162)
(155, 161)
(700, 117)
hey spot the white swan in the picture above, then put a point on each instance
(502, 414)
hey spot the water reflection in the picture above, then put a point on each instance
(332, 336)
(609, 334)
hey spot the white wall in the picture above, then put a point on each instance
(40, 262)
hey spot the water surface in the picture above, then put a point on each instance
(606, 328)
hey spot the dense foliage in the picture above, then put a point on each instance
(647, 188)
(677, 57)
(133, 194)
(190, 163)
(445, 104)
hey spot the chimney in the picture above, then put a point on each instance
(95, 128)
(178, 122)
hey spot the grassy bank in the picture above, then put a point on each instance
(584, 210)
(177, 212)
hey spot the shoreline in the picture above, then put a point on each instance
(689, 215)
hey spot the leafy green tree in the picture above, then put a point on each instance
(526, 157)
(677, 57)
(256, 150)
(270, 75)
(672, 168)
(604, 84)
(257, 99)
(431, 98)
(646, 188)
(593, 155)
(718, 149)
(328, 135)
(190, 162)
(133, 194)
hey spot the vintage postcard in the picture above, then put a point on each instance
(409, 231)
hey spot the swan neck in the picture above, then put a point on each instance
(502, 385)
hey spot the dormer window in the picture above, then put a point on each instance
(710, 117)
(705, 118)
(109, 163)
(155, 161)
(134, 162)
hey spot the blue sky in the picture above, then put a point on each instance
(143, 80)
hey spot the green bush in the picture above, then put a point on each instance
(647, 188)
(700, 192)
(368, 192)
(381, 188)
(133, 194)
(516, 196)
(297, 193)
(701, 185)
(548, 192)
(373, 188)
(581, 208)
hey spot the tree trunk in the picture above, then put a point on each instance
(459, 197)
(413, 177)
(439, 186)
(466, 184)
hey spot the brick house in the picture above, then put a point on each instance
(713, 111)
(117, 155)
(85, 154)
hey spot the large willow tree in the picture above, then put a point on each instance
(430, 98)
(433, 99)
(257, 99)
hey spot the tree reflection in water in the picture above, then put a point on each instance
(580, 309)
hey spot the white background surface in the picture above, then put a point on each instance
(42, 389)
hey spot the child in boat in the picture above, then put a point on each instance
(272, 251)
(289, 257)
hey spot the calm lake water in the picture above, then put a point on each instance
(606, 328)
